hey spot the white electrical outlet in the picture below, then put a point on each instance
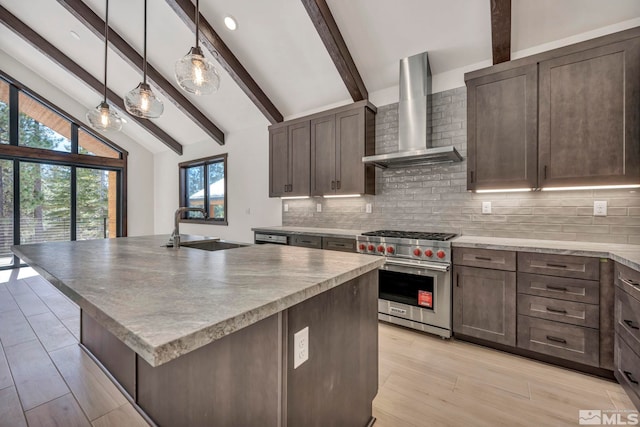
(486, 207)
(286, 207)
(300, 347)
(318, 207)
(368, 207)
(600, 208)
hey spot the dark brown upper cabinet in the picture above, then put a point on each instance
(502, 128)
(566, 117)
(589, 109)
(289, 157)
(338, 143)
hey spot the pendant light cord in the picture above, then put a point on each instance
(197, 22)
(106, 45)
(144, 66)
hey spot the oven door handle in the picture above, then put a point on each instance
(422, 265)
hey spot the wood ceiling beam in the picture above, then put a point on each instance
(329, 32)
(501, 30)
(185, 9)
(54, 54)
(93, 22)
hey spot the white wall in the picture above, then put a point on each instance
(140, 165)
(248, 204)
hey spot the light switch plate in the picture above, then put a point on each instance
(318, 207)
(300, 347)
(286, 207)
(486, 207)
(368, 207)
(600, 208)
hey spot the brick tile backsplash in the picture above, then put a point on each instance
(435, 197)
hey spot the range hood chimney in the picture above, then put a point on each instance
(414, 142)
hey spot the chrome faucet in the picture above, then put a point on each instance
(174, 240)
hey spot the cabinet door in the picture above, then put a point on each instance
(589, 117)
(502, 130)
(299, 159)
(323, 156)
(484, 304)
(350, 171)
(278, 162)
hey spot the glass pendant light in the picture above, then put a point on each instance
(103, 118)
(195, 73)
(141, 101)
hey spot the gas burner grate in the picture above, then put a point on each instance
(415, 235)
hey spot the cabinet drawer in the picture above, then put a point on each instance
(560, 340)
(485, 258)
(575, 313)
(587, 291)
(627, 369)
(314, 242)
(577, 267)
(628, 279)
(627, 319)
(339, 244)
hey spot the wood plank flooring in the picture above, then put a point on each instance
(47, 380)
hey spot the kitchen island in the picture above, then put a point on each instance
(207, 338)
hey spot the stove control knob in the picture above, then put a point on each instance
(417, 252)
(441, 254)
(362, 246)
(389, 249)
(428, 253)
(371, 248)
(381, 249)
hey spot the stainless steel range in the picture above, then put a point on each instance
(415, 281)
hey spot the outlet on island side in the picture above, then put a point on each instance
(300, 347)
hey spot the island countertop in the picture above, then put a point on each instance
(163, 303)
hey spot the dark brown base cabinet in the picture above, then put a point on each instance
(627, 331)
(484, 300)
(247, 378)
(566, 117)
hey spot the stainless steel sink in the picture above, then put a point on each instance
(212, 245)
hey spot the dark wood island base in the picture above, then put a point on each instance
(247, 378)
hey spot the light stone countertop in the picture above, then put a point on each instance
(311, 231)
(163, 303)
(628, 255)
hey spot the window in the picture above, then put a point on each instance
(203, 184)
(71, 187)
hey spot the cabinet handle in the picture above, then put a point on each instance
(556, 288)
(290, 188)
(457, 280)
(556, 339)
(630, 323)
(628, 281)
(338, 185)
(483, 258)
(333, 185)
(340, 245)
(556, 265)
(629, 376)
(472, 177)
(555, 310)
(286, 188)
(545, 171)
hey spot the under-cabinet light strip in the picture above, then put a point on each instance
(592, 187)
(506, 190)
(294, 197)
(337, 196)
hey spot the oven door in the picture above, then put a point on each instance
(416, 295)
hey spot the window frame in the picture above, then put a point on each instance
(19, 153)
(182, 199)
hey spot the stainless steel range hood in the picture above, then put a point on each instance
(414, 142)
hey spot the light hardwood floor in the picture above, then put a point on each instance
(47, 380)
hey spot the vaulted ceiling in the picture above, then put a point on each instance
(278, 45)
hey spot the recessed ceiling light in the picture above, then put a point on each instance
(230, 22)
(74, 35)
